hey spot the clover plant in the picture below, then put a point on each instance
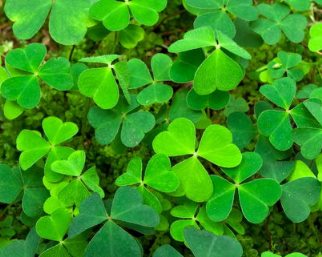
(133, 128)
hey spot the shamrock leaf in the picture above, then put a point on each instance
(22, 248)
(216, 14)
(55, 226)
(73, 166)
(34, 147)
(215, 101)
(72, 15)
(276, 124)
(275, 163)
(115, 15)
(74, 190)
(131, 36)
(184, 68)
(9, 192)
(100, 83)
(299, 5)
(25, 87)
(156, 91)
(206, 37)
(215, 146)
(203, 243)
(315, 40)
(286, 64)
(255, 196)
(218, 71)
(67, 248)
(166, 251)
(127, 207)
(132, 123)
(190, 214)
(26, 186)
(158, 174)
(277, 20)
(241, 127)
(299, 196)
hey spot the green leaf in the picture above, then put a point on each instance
(184, 68)
(256, 196)
(315, 37)
(166, 251)
(139, 73)
(131, 36)
(179, 139)
(99, 84)
(194, 179)
(278, 19)
(30, 16)
(12, 110)
(135, 126)
(72, 15)
(11, 184)
(159, 176)
(73, 166)
(205, 37)
(220, 204)
(161, 64)
(58, 131)
(281, 92)
(216, 146)
(56, 73)
(250, 165)
(22, 248)
(299, 5)
(107, 123)
(216, 100)
(299, 196)
(218, 21)
(242, 129)
(133, 174)
(146, 11)
(310, 140)
(91, 213)
(194, 39)
(301, 170)
(218, 71)
(277, 126)
(113, 241)
(205, 244)
(155, 93)
(25, 90)
(32, 146)
(26, 59)
(55, 226)
(128, 207)
(116, 15)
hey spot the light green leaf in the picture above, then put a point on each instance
(218, 71)
(179, 139)
(55, 226)
(194, 179)
(99, 84)
(73, 166)
(216, 146)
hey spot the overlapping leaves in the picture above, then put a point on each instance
(26, 68)
(215, 146)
